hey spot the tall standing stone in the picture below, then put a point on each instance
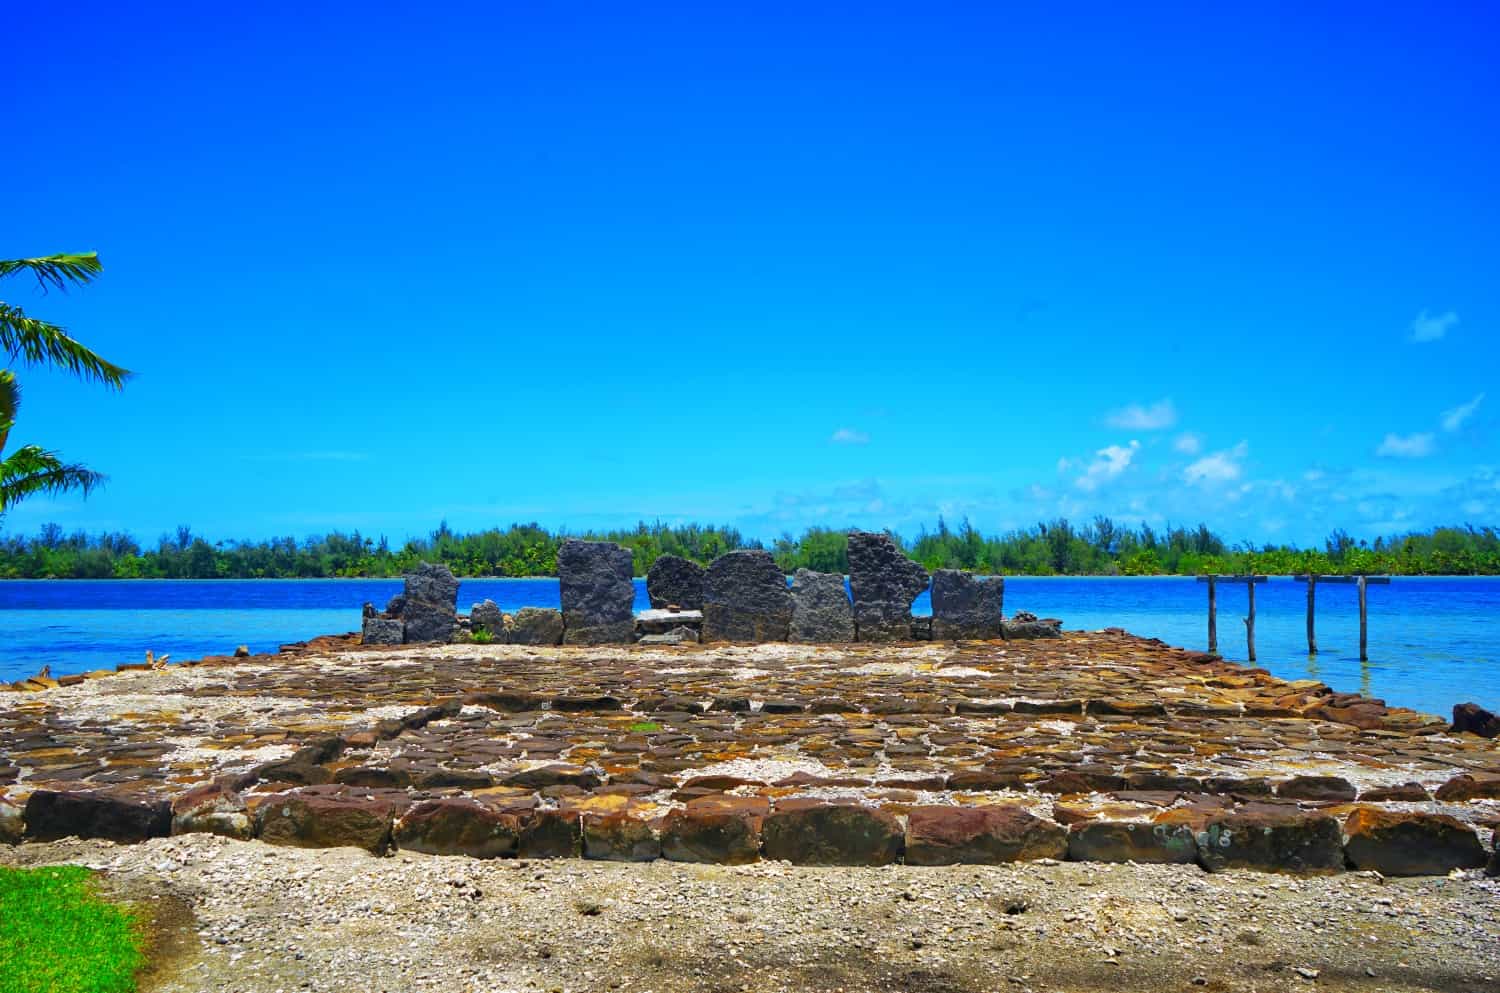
(429, 604)
(675, 580)
(821, 611)
(966, 606)
(885, 582)
(745, 598)
(598, 596)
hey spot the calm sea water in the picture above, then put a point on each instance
(1433, 642)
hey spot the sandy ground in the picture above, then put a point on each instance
(252, 918)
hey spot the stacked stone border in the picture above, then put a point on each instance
(1302, 825)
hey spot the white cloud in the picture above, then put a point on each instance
(1064, 464)
(1455, 418)
(1188, 443)
(1411, 446)
(1431, 327)
(1220, 467)
(1161, 414)
(849, 436)
(1108, 463)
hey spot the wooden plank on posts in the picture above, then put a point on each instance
(1376, 580)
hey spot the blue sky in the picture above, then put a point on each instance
(592, 263)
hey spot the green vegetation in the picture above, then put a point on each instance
(1055, 548)
(481, 636)
(32, 469)
(642, 727)
(57, 934)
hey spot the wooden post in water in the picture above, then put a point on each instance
(1250, 623)
(1213, 609)
(1213, 616)
(1312, 639)
(1364, 617)
(1364, 610)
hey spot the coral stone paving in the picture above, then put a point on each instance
(1098, 746)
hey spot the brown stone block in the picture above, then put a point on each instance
(1406, 843)
(815, 832)
(550, 833)
(51, 815)
(1326, 789)
(1481, 786)
(1274, 840)
(1117, 841)
(1405, 793)
(460, 826)
(715, 829)
(213, 808)
(620, 836)
(331, 817)
(980, 835)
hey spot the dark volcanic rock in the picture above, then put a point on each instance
(213, 808)
(1471, 718)
(428, 604)
(1403, 843)
(966, 606)
(620, 837)
(550, 833)
(814, 832)
(884, 582)
(821, 611)
(1293, 841)
(460, 826)
(383, 631)
(1469, 786)
(535, 626)
(745, 598)
(486, 614)
(722, 829)
(674, 580)
(51, 815)
(980, 835)
(1118, 841)
(331, 817)
(1018, 630)
(598, 596)
(1331, 789)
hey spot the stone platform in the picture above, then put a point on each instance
(1095, 747)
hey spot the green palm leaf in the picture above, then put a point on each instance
(10, 402)
(32, 469)
(38, 342)
(56, 270)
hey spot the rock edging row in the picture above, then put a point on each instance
(731, 830)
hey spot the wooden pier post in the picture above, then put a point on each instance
(1250, 623)
(1213, 616)
(1213, 609)
(1312, 638)
(1364, 617)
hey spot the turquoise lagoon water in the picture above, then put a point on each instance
(1433, 641)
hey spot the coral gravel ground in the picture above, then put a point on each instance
(252, 918)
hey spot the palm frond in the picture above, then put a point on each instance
(40, 343)
(10, 402)
(32, 469)
(56, 270)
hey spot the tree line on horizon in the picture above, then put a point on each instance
(1050, 548)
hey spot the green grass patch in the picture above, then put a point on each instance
(57, 934)
(640, 726)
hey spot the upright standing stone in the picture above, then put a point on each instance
(598, 595)
(745, 598)
(429, 604)
(486, 614)
(966, 606)
(885, 582)
(821, 611)
(675, 580)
